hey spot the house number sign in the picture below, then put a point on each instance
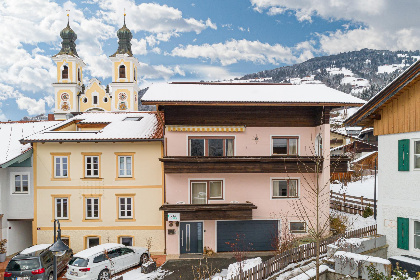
(174, 217)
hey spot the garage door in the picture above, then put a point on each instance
(259, 233)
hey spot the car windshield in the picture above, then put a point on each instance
(75, 261)
(23, 264)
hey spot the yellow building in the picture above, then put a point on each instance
(99, 174)
(72, 96)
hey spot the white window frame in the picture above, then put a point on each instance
(125, 210)
(62, 208)
(414, 154)
(285, 136)
(61, 167)
(86, 210)
(92, 237)
(92, 169)
(272, 179)
(304, 231)
(125, 175)
(197, 180)
(121, 237)
(13, 186)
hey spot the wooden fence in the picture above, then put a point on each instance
(349, 204)
(294, 255)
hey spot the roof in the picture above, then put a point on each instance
(343, 134)
(365, 115)
(352, 143)
(364, 157)
(12, 132)
(97, 249)
(247, 94)
(149, 126)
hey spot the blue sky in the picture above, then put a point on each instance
(187, 40)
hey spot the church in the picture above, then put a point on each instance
(72, 96)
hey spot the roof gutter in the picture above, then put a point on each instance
(90, 140)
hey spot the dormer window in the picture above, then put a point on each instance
(122, 71)
(65, 72)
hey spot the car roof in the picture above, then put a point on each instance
(97, 249)
(32, 251)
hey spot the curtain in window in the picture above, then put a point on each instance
(416, 235)
(293, 146)
(199, 193)
(280, 188)
(216, 189)
(292, 188)
(229, 147)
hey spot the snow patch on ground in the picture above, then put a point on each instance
(363, 188)
(234, 269)
(354, 221)
(311, 273)
(338, 71)
(136, 274)
(390, 68)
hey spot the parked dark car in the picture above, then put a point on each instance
(36, 263)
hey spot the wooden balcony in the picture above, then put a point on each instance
(267, 164)
(216, 211)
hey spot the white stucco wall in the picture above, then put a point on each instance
(399, 191)
(16, 207)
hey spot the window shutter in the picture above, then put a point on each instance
(403, 233)
(403, 155)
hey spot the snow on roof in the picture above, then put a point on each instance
(12, 132)
(97, 249)
(358, 258)
(34, 248)
(263, 93)
(139, 126)
(363, 157)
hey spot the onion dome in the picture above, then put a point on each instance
(124, 41)
(68, 45)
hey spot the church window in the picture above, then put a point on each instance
(122, 71)
(105, 99)
(65, 72)
(134, 74)
(95, 100)
(78, 75)
(84, 100)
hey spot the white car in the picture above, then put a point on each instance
(102, 261)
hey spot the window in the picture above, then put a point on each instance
(92, 207)
(78, 75)
(60, 166)
(65, 72)
(297, 227)
(92, 241)
(95, 100)
(135, 74)
(122, 71)
(125, 207)
(211, 146)
(126, 240)
(285, 145)
(61, 208)
(20, 183)
(66, 240)
(283, 188)
(417, 154)
(125, 166)
(100, 258)
(105, 99)
(203, 191)
(92, 166)
(417, 234)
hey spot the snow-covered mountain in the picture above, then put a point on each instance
(362, 73)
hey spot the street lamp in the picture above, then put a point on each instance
(56, 248)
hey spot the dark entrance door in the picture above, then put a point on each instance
(191, 237)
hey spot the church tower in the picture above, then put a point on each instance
(124, 88)
(69, 75)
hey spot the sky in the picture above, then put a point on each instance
(187, 40)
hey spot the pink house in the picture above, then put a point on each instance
(238, 159)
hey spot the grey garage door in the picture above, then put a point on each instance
(258, 234)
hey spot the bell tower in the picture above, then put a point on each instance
(124, 88)
(69, 75)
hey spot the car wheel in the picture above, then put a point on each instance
(103, 275)
(51, 276)
(144, 258)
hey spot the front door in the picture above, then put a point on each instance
(191, 237)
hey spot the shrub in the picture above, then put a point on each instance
(367, 212)
(338, 224)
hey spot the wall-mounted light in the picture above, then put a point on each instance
(171, 224)
(256, 138)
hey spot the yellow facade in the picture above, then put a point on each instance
(95, 88)
(127, 65)
(145, 187)
(117, 100)
(60, 102)
(70, 66)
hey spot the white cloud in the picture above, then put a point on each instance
(234, 51)
(384, 24)
(154, 72)
(139, 47)
(32, 106)
(210, 73)
(211, 24)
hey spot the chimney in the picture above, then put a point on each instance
(51, 117)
